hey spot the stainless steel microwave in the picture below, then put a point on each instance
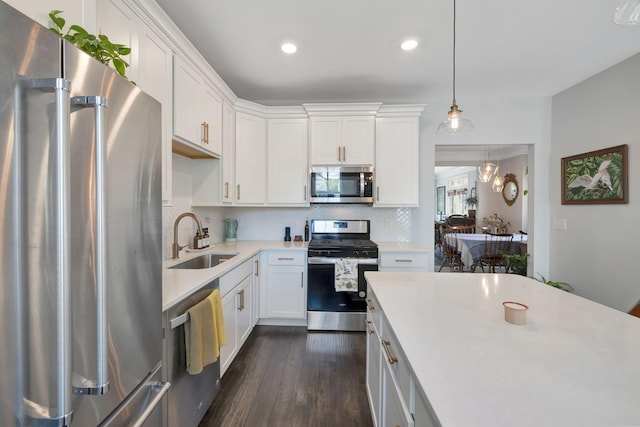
(346, 184)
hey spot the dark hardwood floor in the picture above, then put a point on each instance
(286, 376)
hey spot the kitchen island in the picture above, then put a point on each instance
(574, 363)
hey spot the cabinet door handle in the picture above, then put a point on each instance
(238, 195)
(206, 132)
(385, 345)
(377, 194)
(339, 154)
(302, 279)
(369, 330)
(285, 259)
(344, 153)
(202, 131)
(305, 193)
(404, 260)
(241, 295)
(226, 190)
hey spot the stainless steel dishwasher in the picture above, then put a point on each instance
(190, 395)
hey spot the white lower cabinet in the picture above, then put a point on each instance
(373, 370)
(284, 285)
(394, 398)
(228, 351)
(256, 290)
(404, 261)
(237, 302)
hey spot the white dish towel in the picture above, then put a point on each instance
(346, 275)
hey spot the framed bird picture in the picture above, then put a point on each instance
(596, 177)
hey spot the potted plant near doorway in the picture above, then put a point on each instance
(472, 202)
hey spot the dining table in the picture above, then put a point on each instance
(471, 246)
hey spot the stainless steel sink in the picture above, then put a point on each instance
(204, 261)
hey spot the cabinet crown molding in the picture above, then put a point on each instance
(401, 110)
(343, 109)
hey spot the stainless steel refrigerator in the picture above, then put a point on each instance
(80, 237)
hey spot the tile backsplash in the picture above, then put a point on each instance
(387, 224)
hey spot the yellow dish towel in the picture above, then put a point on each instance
(204, 333)
(216, 303)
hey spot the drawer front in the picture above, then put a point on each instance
(286, 258)
(374, 312)
(235, 276)
(403, 260)
(397, 361)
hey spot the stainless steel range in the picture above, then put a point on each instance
(341, 246)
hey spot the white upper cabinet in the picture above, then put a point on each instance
(358, 136)
(228, 154)
(118, 22)
(326, 140)
(154, 77)
(397, 174)
(197, 122)
(397, 161)
(212, 112)
(347, 140)
(75, 12)
(288, 172)
(251, 159)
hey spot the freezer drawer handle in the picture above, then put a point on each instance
(99, 385)
(154, 391)
(61, 414)
(160, 390)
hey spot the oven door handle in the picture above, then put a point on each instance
(324, 260)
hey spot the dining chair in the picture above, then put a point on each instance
(466, 229)
(457, 220)
(450, 252)
(494, 243)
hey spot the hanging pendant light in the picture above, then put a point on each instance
(498, 184)
(455, 123)
(498, 181)
(487, 170)
(627, 13)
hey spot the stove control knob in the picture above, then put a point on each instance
(362, 294)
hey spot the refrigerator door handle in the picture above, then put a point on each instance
(99, 385)
(61, 413)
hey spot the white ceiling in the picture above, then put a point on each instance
(348, 50)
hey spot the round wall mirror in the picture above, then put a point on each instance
(510, 190)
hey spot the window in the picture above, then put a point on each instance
(456, 195)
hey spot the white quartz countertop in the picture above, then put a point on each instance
(401, 247)
(177, 284)
(574, 363)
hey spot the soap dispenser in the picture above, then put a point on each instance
(197, 240)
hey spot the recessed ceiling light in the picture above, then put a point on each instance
(289, 48)
(409, 44)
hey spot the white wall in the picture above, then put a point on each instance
(497, 121)
(597, 253)
(491, 202)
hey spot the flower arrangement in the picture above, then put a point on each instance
(496, 223)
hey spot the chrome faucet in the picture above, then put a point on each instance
(175, 248)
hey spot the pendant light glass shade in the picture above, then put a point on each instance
(455, 123)
(627, 13)
(498, 184)
(486, 171)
